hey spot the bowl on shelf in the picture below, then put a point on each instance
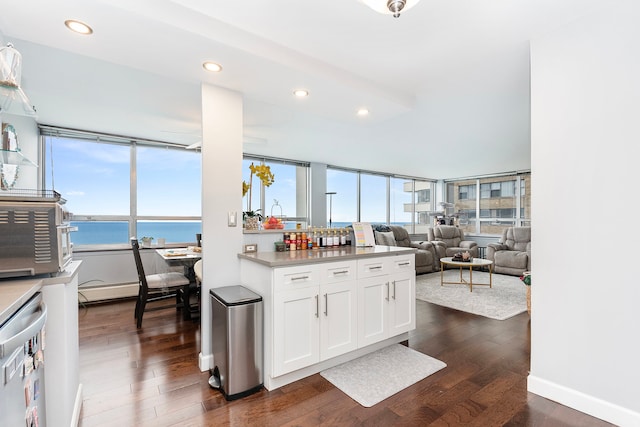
(268, 226)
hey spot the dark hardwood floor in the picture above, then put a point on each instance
(150, 377)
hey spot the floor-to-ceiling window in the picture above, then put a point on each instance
(380, 198)
(117, 188)
(488, 205)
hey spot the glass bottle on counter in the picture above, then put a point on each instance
(292, 241)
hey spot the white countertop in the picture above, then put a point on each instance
(288, 258)
(16, 291)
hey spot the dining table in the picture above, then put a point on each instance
(187, 257)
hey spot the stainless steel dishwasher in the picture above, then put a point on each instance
(22, 344)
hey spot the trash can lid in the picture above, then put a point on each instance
(235, 295)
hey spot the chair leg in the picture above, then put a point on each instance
(142, 302)
(186, 302)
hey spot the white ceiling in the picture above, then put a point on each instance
(447, 83)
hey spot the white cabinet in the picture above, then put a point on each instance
(338, 318)
(336, 306)
(386, 298)
(314, 314)
(296, 333)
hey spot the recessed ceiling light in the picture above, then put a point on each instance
(301, 93)
(78, 27)
(212, 66)
(363, 112)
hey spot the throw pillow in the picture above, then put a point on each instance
(385, 238)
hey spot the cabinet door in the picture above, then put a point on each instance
(338, 319)
(373, 302)
(402, 303)
(295, 329)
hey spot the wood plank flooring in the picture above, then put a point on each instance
(150, 377)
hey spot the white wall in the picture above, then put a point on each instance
(585, 91)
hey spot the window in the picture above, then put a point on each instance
(373, 198)
(504, 202)
(344, 204)
(97, 177)
(409, 200)
(286, 197)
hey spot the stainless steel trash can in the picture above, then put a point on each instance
(237, 340)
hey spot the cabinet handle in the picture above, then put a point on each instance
(335, 273)
(402, 264)
(326, 305)
(387, 298)
(394, 289)
(377, 267)
(317, 306)
(299, 278)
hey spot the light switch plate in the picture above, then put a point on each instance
(232, 219)
(251, 248)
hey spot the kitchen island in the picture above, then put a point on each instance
(324, 307)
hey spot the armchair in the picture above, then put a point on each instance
(512, 254)
(449, 239)
(426, 261)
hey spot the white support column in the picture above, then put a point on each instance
(221, 180)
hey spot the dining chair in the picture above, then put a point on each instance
(192, 310)
(156, 287)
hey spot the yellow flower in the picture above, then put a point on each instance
(266, 177)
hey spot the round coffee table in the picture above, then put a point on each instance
(475, 262)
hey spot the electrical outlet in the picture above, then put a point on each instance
(251, 248)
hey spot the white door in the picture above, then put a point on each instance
(338, 319)
(296, 329)
(373, 302)
(402, 307)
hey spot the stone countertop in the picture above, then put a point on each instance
(17, 291)
(291, 258)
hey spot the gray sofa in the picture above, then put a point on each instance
(449, 239)
(394, 235)
(512, 255)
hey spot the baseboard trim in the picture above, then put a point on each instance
(75, 417)
(205, 362)
(583, 402)
(105, 293)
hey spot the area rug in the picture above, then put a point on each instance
(376, 376)
(507, 297)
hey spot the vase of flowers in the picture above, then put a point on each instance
(250, 217)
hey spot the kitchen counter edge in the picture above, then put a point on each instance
(17, 291)
(290, 258)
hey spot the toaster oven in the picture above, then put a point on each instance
(35, 236)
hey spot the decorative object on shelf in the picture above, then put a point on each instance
(274, 222)
(266, 177)
(390, 7)
(8, 171)
(146, 241)
(526, 279)
(10, 76)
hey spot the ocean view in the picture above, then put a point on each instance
(113, 232)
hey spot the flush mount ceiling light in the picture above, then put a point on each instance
(390, 7)
(301, 93)
(78, 27)
(363, 112)
(212, 66)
